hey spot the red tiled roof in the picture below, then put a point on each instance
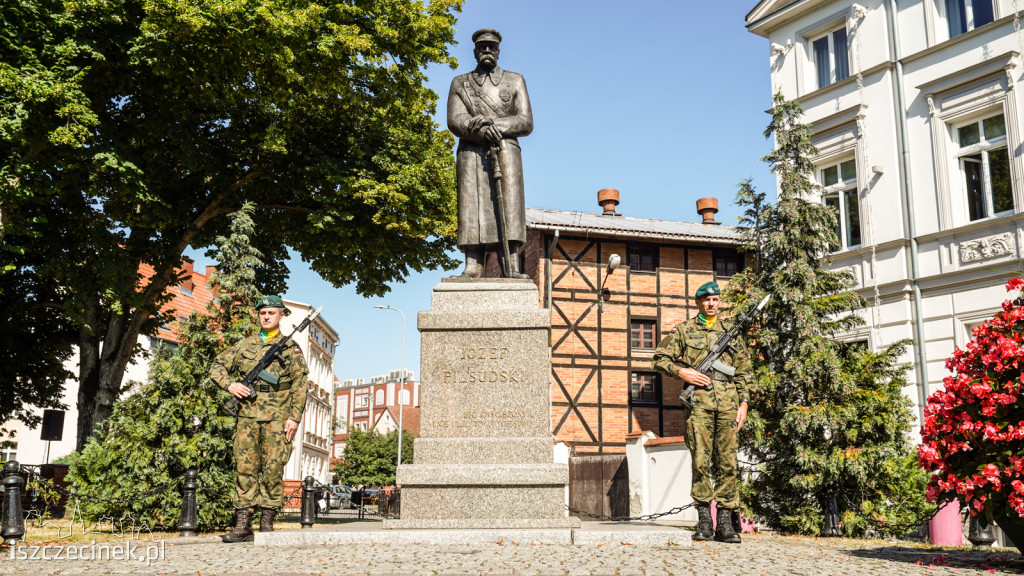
(410, 418)
(181, 304)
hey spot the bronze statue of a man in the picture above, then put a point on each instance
(489, 109)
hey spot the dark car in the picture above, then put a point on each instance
(341, 496)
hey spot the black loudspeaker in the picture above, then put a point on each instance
(53, 425)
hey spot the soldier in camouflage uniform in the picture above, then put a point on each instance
(719, 410)
(265, 426)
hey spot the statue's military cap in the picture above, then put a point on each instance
(486, 35)
(707, 289)
(270, 302)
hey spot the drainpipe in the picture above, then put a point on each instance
(908, 207)
(551, 256)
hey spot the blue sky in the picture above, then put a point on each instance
(663, 99)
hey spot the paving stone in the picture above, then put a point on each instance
(758, 554)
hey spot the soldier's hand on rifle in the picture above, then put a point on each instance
(691, 376)
(238, 390)
(289, 429)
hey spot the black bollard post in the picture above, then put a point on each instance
(832, 519)
(980, 532)
(189, 521)
(308, 503)
(13, 521)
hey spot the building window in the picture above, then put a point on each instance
(831, 58)
(966, 15)
(8, 451)
(643, 258)
(362, 401)
(985, 167)
(185, 291)
(840, 193)
(379, 397)
(643, 388)
(727, 262)
(642, 334)
(403, 397)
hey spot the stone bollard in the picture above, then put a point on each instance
(189, 521)
(980, 532)
(13, 521)
(308, 516)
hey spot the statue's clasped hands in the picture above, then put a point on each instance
(485, 128)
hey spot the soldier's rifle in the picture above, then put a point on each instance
(712, 362)
(494, 154)
(259, 371)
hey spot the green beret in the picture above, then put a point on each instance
(708, 289)
(270, 302)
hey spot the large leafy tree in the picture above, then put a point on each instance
(175, 420)
(132, 128)
(371, 458)
(830, 421)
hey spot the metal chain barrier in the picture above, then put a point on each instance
(644, 517)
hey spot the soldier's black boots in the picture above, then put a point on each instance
(267, 516)
(725, 532)
(704, 530)
(243, 528)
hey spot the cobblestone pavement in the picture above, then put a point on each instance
(759, 554)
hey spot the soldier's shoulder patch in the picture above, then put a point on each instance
(673, 331)
(298, 350)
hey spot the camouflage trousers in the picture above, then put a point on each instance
(261, 453)
(711, 437)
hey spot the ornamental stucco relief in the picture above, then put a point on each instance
(985, 248)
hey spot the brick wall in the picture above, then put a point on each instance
(592, 358)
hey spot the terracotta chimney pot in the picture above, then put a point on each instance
(707, 207)
(608, 199)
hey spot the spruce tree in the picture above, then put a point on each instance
(829, 421)
(175, 420)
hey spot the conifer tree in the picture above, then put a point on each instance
(829, 421)
(175, 420)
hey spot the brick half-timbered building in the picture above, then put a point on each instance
(605, 323)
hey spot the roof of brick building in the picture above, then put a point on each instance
(537, 218)
(191, 295)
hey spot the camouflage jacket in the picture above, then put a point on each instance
(687, 344)
(286, 399)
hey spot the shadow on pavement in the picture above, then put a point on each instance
(1000, 560)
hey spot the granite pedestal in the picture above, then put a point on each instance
(485, 455)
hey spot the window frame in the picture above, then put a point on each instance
(726, 255)
(655, 254)
(653, 323)
(8, 450)
(634, 400)
(983, 148)
(841, 190)
(968, 20)
(828, 33)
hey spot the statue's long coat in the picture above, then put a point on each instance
(501, 96)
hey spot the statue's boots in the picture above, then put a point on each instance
(267, 516)
(243, 528)
(515, 270)
(725, 532)
(704, 529)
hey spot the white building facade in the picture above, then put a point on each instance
(915, 111)
(313, 442)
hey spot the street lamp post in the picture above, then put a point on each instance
(401, 387)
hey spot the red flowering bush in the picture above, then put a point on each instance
(974, 429)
